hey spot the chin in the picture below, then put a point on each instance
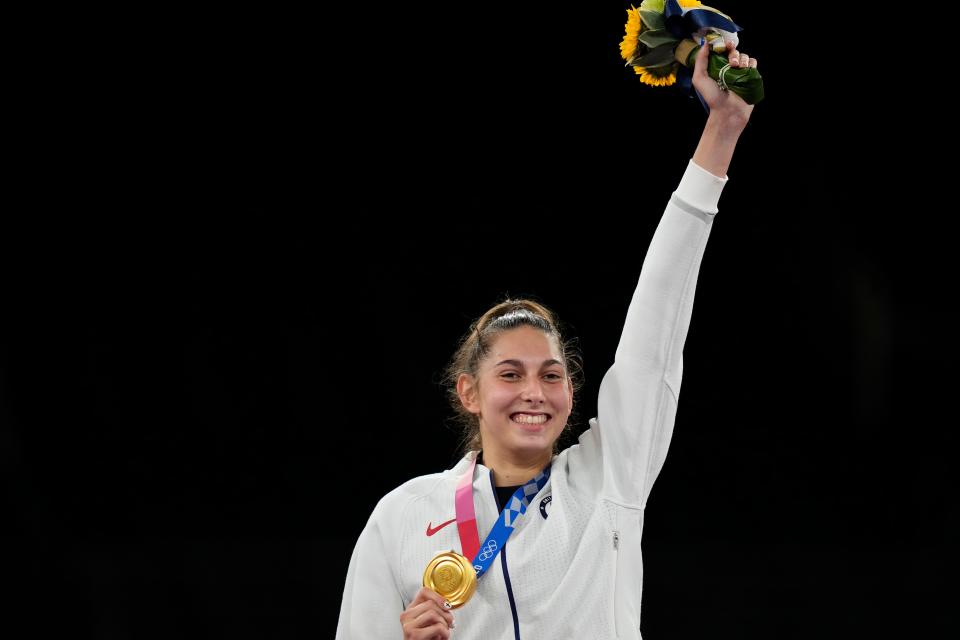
(533, 443)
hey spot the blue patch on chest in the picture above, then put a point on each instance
(545, 506)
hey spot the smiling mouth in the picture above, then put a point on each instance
(534, 419)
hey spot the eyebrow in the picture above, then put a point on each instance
(517, 363)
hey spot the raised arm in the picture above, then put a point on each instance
(639, 394)
(728, 114)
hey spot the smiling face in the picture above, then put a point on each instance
(522, 393)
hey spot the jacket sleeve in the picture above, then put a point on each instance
(622, 453)
(372, 603)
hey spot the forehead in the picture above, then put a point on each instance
(524, 343)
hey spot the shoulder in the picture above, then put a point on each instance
(434, 485)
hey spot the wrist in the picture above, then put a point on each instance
(726, 124)
(718, 142)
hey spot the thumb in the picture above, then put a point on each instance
(703, 58)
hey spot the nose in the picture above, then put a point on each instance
(533, 392)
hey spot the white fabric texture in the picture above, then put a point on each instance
(577, 573)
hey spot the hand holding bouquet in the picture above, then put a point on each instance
(663, 37)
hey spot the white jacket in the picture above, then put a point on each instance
(573, 567)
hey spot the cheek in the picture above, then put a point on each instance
(561, 399)
(497, 397)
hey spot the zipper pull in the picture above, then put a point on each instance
(616, 539)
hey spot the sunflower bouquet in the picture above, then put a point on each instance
(661, 45)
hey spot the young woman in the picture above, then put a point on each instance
(517, 541)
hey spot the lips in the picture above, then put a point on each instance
(529, 419)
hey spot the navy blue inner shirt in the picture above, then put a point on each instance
(504, 493)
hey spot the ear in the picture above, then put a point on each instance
(467, 390)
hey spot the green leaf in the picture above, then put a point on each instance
(659, 57)
(652, 5)
(652, 19)
(745, 82)
(656, 37)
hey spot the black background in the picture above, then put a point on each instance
(252, 241)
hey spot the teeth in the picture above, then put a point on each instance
(527, 419)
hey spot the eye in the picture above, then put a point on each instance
(553, 377)
(510, 375)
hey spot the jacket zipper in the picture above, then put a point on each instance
(506, 574)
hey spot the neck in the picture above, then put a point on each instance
(510, 469)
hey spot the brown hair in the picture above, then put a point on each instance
(475, 346)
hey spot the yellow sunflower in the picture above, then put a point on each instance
(659, 77)
(630, 41)
(658, 5)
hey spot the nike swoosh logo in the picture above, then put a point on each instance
(431, 530)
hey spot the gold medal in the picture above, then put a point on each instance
(452, 576)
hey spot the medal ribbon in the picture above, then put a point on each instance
(516, 506)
